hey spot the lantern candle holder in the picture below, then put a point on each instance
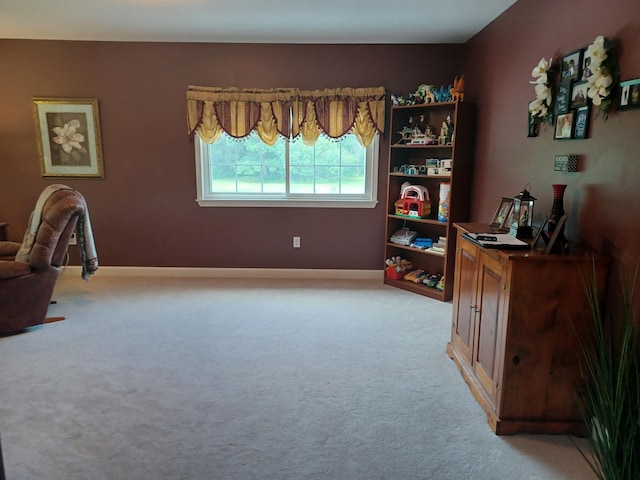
(522, 226)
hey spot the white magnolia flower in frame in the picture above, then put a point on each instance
(68, 137)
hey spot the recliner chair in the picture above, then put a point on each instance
(28, 271)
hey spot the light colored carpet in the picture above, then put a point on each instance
(158, 378)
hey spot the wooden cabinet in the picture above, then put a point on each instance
(517, 316)
(407, 164)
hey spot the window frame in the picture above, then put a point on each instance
(206, 198)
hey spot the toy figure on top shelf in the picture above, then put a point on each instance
(425, 94)
(444, 94)
(457, 92)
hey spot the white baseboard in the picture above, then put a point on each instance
(196, 272)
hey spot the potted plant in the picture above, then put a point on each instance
(610, 395)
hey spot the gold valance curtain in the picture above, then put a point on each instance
(288, 112)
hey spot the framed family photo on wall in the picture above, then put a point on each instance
(68, 137)
(564, 126)
(629, 94)
(571, 66)
(579, 94)
(581, 129)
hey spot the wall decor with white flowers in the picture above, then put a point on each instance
(586, 79)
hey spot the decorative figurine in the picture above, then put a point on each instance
(457, 92)
(424, 94)
(444, 94)
(446, 131)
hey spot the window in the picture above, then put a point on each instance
(248, 172)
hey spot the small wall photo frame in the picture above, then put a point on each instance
(68, 137)
(572, 66)
(586, 70)
(579, 94)
(581, 122)
(629, 97)
(563, 97)
(564, 127)
(502, 212)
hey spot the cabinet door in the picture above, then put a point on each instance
(464, 302)
(489, 320)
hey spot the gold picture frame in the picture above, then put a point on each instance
(68, 137)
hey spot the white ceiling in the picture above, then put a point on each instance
(250, 21)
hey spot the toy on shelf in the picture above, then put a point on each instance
(404, 236)
(416, 276)
(426, 94)
(432, 280)
(446, 132)
(443, 205)
(397, 267)
(457, 92)
(422, 243)
(414, 201)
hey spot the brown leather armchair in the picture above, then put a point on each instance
(28, 271)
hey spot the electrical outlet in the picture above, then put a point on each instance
(73, 240)
(296, 242)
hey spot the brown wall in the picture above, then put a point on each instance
(602, 198)
(144, 212)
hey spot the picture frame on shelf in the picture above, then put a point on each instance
(581, 128)
(572, 66)
(629, 94)
(563, 97)
(68, 137)
(579, 96)
(564, 127)
(502, 212)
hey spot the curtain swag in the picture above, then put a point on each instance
(288, 112)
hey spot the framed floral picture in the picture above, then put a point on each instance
(68, 137)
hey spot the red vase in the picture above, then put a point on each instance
(557, 209)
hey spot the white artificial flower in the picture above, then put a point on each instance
(67, 136)
(599, 87)
(541, 69)
(596, 52)
(538, 108)
(543, 93)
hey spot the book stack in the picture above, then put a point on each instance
(440, 247)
